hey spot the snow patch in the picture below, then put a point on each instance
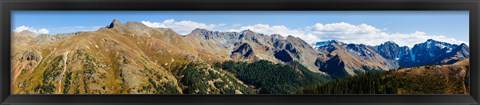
(351, 50)
(449, 50)
(411, 55)
(441, 46)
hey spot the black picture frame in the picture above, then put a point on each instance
(7, 6)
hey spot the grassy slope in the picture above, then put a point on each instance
(430, 79)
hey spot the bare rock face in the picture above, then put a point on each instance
(250, 46)
(389, 55)
(436, 52)
(45, 39)
(335, 66)
(128, 28)
(115, 23)
(25, 62)
(427, 53)
(351, 59)
(244, 51)
(283, 55)
(396, 54)
(457, 54)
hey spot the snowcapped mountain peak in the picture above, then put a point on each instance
(390, 42)
(323, 43)
(430, 40)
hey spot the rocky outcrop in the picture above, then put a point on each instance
(397, 55)
(351, 59)
(24, 62)
(23, 37)
(243, 52)
(389, 55)
(274, 48)
(283, 55)
(129, 28)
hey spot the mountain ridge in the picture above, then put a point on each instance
(111, 59)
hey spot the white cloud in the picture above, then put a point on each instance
(370, 35)
(31, 29)
(348, 33)
(267, 29)
(182, 27)
(342, 31)
(154, 24)
(277, 29)
(236, 25)
(343, 28)
(85, 28)
(43, 31)
(69, 29)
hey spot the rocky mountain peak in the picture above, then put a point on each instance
(27, 33)
(463, 45)
(277, 36)
(323, 43)
(291, 37)
(431, 40)
(114, 23)
(247, 31)
(390, 43)
(199, 30)
(432, 43)
(135, 28)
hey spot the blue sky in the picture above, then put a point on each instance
(312, 26)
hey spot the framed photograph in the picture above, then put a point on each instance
(239, 52)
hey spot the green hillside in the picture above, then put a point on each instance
(272, 78)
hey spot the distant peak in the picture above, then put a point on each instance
(277, 36)
(431, 40)
(323, 43)
(114, 23)
(390, 42)
(248, 30)
(199, 30)
(331, 41)
(291, 36)
(27, 31)
(328, 42)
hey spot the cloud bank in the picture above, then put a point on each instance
(342, 31)
(31, 29)
(370, 35)
(181, 27)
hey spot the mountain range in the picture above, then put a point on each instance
(133, 58)
(351, 59)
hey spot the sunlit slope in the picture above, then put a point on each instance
(121, 58)
(430, 79)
